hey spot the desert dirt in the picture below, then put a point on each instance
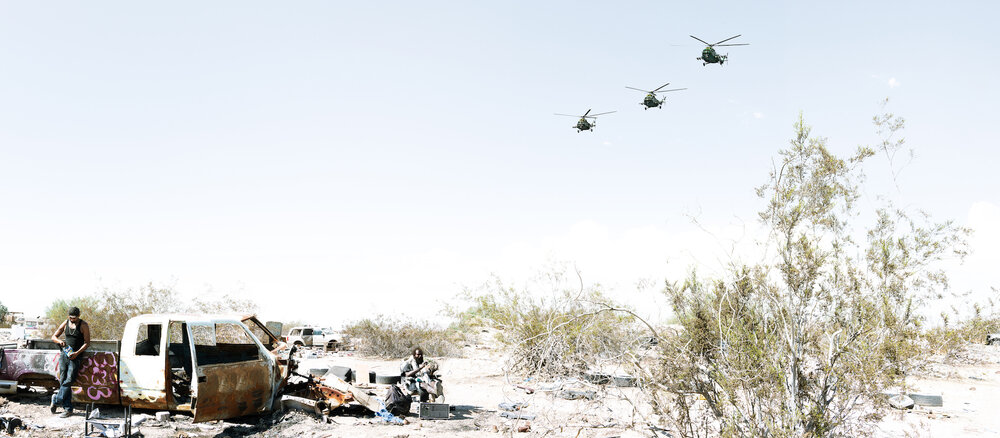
(476, 384)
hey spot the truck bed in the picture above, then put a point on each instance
(38, 363)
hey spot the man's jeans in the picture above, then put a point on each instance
(67, 374)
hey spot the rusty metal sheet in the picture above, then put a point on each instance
(233, 390)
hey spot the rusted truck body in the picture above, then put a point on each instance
(214, 367)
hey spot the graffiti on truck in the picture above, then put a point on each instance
(97, 380)
(22, 362)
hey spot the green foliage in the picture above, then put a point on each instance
(951, 340)
(90, 311)
(107, 311)
(3, 312)
(803, 345)
(387, 337)
(566, 333)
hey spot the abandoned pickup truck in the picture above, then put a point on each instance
(213, 367)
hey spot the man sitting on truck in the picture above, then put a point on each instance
(77, 340)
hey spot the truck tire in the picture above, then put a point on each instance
(331, 346)
(387, 379)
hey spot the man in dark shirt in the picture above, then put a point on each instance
(77, 340)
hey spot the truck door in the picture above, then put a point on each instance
(143, 363)
(234, 376)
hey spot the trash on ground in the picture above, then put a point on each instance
(519, 415)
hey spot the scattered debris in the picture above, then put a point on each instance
(163, 416)
(520, 415)
(512, 406)
(624, 381)
(570, 394)
(524, 428)
(900, 401)
(384, 415)
(927, 400)
(10, 423)
(322, 398)
(300, 403)
(597, 378)
(110, 428)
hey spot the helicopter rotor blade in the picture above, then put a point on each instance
(567, 115)
(585, 114)
(674, 89)
(637, 89)
(600, 114)
(730, 45)
(727, 39)
(699, 39)
(661, 86)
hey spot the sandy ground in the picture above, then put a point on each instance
(475, 385)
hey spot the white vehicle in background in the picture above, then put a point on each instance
(29, 328)
(314, 337)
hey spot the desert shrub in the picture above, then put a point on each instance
(90, 311)
(387, 337)
(108, 310)
(564, 332)
(804, 342)
(3, 316)
(952, 339)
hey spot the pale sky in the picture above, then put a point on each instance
(336, 159)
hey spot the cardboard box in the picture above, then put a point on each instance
(434, 411)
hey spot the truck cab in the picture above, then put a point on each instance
(214, 367)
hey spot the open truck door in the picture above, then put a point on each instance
(234, 375)
(143, 364)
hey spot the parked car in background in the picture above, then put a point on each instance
(314, 337)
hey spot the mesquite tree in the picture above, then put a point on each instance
(804, 343)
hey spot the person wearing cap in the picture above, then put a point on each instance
(77, 340)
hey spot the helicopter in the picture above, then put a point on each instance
(709, 56)
(584, 124)
(651, 101)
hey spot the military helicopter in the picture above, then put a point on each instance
(584, 124)
(708, 56)
(651, 101)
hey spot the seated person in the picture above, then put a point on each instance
(418, 376)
